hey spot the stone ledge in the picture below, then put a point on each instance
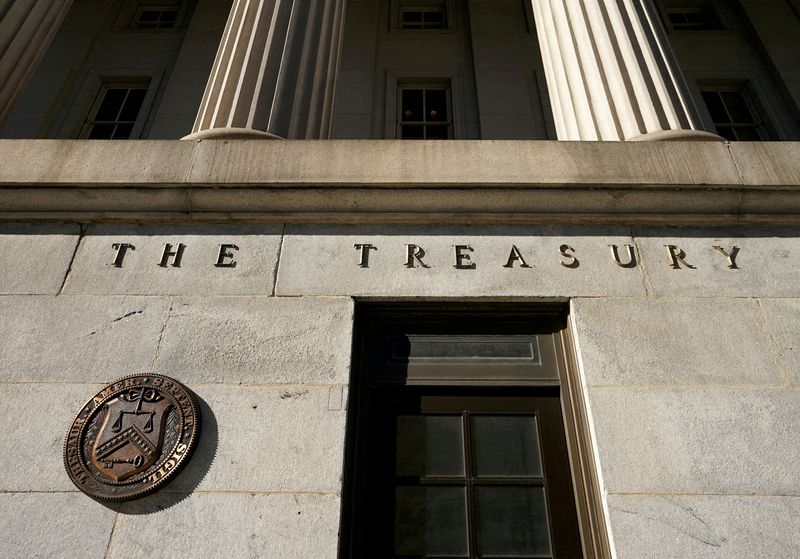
(359, 181)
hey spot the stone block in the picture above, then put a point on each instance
(278, 526)
(140, 271)
(35, 419)
(54, 525)
(676, 341)
(35, 258)
(96, 162)
(767, 262)
(78, 338)
(392, 162)
(767, 163)
(697, 440)
(705, 526)
(262, 340)
(323, 260)
(783, 321)
(266, 439)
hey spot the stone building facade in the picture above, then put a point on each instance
(360, 231)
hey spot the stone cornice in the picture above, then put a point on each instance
(342, 181)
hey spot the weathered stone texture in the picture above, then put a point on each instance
(267, 439)
(322, 260)
(783, 321)
(229, 525)
(141, 273)
(45, 525)
(768, 262)
(697, 440)
(705, 526)
(35, 258)
(678, 341)
(35, 419)
(78, 338)
(262, 340)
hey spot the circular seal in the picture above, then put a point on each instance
(132, 437)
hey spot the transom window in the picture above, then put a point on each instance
(424, 112)
(734, 113)
(115, 111)
(691, 15)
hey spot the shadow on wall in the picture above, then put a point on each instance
(188, 479)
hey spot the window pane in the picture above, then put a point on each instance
(149, 16)
(434, 19)
(430, 520)
(747, 134)
(512, 521)
(101, 132)
(429, 445)
(132, 105)
(726, 132)
(412, 105)
(436, 105)
(412, 132)
(112, 103)
(505, 445)
(715, 107)
(737, 107)
(436, 132)
(123, 132)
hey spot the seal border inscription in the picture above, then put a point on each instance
(169, 463)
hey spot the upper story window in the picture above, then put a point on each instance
(420, 15)
(156, 17)
(115, 110)
(425, 112)
(691, 15)
(423, 17)
(734, 112)
(151, 15)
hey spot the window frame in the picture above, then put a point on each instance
(140, 82)
(665, 7)
(762, 125)
(397, 6)
(549, 322)
(428, 85)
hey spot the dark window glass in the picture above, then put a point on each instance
(733, 114)
(427, 17)
(505, 446)
(123, 131)
(412, 109)
(430, 521)
(111, 104)
(102, 132)
(512, 522)
(156, 18)
(430, 446)
(115, 112)
(692, 15)
(424, 113)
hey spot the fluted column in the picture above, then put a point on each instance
(27, 28)
(611, 73)
(275, 71)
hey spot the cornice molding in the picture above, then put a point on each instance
(360, 181)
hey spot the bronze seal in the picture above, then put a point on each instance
(132, 437)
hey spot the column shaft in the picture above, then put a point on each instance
(275, 71)
(611, 74)
(28, 28)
